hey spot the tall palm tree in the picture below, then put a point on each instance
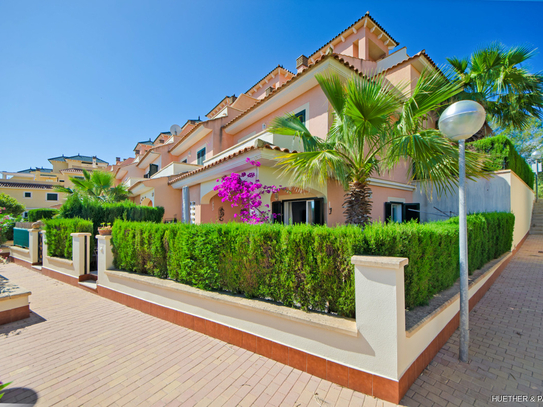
(496, 78)
(98, 186)
(375, 126)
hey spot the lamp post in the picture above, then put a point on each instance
(536, 155)
(459, 122)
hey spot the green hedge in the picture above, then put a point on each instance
(57, 234)
(35, 215)
(504, 156)
(100, 213)
(306, 266)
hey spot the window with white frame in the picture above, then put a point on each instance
(28, 194)
(51, 196)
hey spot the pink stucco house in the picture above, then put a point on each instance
(179, 171)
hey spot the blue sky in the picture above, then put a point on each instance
(95, 77)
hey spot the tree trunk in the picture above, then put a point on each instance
(357, 204)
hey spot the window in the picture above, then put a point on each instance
(301, 116)
(201, 156)
(401, 212)
(28, 194)
(184, 161)
(153, 169)
(308, 211)
(52, 197)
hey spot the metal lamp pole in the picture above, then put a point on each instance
(459, 122)
(536, 155)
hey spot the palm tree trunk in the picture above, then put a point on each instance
(357, 204)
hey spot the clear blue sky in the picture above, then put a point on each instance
(94, 77)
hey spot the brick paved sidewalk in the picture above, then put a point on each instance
(506, 343)
(81, 349)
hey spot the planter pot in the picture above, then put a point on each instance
(104, 231)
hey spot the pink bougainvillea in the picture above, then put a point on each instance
(242, 191)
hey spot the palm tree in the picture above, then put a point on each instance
(374, 127)
(494, 77)
(98, 186)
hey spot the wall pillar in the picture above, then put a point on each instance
(380, 307)
(105, 256)
(33, 245)
(44, 245)
(81, 252)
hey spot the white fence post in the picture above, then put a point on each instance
(105, 256)
(380, 307)
(81, 252)
(33, 243)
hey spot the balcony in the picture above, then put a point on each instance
(289, 142)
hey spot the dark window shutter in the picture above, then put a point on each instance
(388, 211)
(411, 211)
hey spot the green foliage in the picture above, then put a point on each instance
(7, 223)
(97, 186)
(58, 235)
(306, 266)
(35, 215)
(99, 212)
(528, 140)
(503, 155)
(11, 205)
(497, 78)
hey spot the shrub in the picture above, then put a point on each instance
(11, 205)
(35, 215)
(100, 213)
(306, 266)
(7, 223)
(504, 156)
(58, 235)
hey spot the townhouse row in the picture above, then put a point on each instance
(179, 169)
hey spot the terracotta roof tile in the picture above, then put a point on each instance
(174, 178)
(265, 76)
(396, 43)
(291, 81)
(25, 185)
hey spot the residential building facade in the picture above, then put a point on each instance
(179, 171)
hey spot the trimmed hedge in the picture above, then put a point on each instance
(57, 234)
(100, 213)
(504, 156)
(35, 215)
(306, 266)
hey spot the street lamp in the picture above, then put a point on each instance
(459, 122)
(536, 155)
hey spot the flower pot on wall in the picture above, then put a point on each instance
(104, 231)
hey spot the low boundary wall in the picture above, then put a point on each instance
(373, 354)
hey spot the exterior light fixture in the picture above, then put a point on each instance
(458, 122)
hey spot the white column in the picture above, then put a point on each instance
(81, 252)
(105, 256)
(380, 307)
(33, 245)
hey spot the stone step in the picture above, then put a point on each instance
(88, 284)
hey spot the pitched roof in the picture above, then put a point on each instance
(278, 67)
(291, 81)
(29, 170)
(175, 178)
(79, 157)
(367, 15)
(25, 185)
(147, 143)
(227, 99)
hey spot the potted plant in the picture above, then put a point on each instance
(105, 229)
